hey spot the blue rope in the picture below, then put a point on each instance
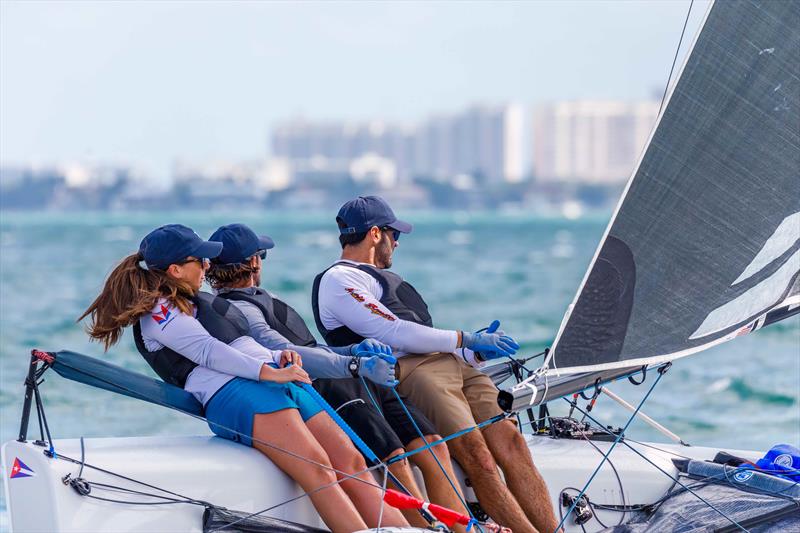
(371, 397)
(676, 480)
(496, 418)
(360, 444)
(605, 457)
(419, 432)
(619, 437)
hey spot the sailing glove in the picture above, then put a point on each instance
(489, 344)
(379, 369)
(370, 347)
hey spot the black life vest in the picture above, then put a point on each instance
(219, 317)
(399, 296)
(279, 315)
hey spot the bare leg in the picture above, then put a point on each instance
(436, 484)
(344, 456)
(512, 454)
(473, 455)
(285, 430)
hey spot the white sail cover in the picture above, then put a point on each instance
(705, 243)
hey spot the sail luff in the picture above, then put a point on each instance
(670, 90)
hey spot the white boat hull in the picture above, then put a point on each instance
(239, 478)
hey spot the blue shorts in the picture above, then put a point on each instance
(231, 410)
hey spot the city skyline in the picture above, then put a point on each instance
(584, 151)
(579, 141)
(155, 84)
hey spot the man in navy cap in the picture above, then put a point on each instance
(236, 275)
(358, 297)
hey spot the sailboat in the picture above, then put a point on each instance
(703, 247)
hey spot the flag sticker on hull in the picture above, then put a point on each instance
(20, 469)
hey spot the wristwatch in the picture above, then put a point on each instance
(354, 365)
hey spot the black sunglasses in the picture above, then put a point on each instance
(202, 261)
(395, 233)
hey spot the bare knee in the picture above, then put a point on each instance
(440, 450)
(397, 464)
(473, 455)
(323, 472)
(352, 462)
(505, 441)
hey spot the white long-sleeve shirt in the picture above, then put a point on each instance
(319, 361)
(217, 362)
(350, 297)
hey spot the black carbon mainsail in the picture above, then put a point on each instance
(705, 243)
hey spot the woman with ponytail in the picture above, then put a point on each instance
(247, 390)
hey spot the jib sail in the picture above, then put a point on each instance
(705, 243)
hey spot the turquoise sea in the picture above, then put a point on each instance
(470, 267)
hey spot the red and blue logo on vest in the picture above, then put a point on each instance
(163, 317)
(20, 469)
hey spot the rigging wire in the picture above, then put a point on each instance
(619, 482)
(185, 499)
(716, 478)
(383, 488)
(298, 497)
(675, 59)
(675, 479)
(611, 448)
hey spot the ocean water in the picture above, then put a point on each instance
(471, 268)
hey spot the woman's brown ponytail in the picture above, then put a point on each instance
(130, 291)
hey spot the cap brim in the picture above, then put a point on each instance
(208, 250)
(265, 243)
(402, 227)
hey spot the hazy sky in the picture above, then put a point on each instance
(148, 82)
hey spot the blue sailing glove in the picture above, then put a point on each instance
(370, 347)
(490, 344)
(379, 369)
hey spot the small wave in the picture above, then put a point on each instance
(719, 385)
(288, 285)
(701, 425)
(746, 392)
(459, 237)
(119, 234)
(562, 251)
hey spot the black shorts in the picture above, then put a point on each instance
(383, 433)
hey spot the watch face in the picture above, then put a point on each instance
(353, 367)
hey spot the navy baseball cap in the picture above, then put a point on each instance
(172, 244)
(239, 243)
(359, 215)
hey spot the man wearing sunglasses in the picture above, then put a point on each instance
(358, 297)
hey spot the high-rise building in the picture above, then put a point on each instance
(484, 142)
(590, 141)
